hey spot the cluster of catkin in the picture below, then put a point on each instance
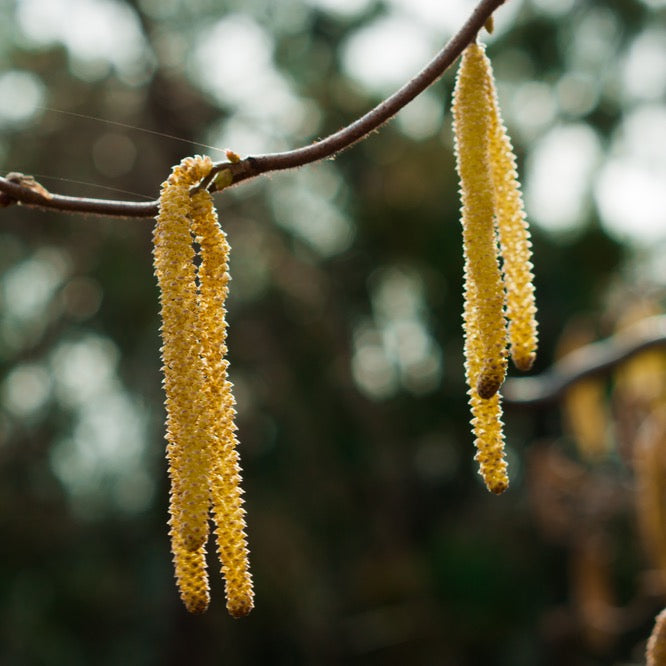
(201, 450)
(499, 300)
(656, 647)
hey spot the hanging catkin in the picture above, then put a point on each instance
(181, 355)
(514, 238)
(203, 460)
(484, 323)
(219, 407)
(472, 112)
(493, 220)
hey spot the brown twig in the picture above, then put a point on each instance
(15, 188)
(590, 360)
(250, 167)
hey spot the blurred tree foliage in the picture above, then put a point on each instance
(372, 539)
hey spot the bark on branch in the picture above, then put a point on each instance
(16, 189)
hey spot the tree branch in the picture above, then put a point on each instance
(15, 189)
(18, 188)
(588, 361)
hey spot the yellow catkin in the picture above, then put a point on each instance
(218, 408)
(471, 118)
(230, 524)
(189, 565)
(486, 413)
(656, 646)
(203, 458)
(190, 570)
(181, 355)
(484, 323)
(514, 239)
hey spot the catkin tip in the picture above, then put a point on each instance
(196, 605)
(240, 609)
(498, 487)
(523, 362)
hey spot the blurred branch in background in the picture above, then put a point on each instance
(585, 362)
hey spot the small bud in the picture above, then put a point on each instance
(223, 179)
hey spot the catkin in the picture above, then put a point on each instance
(486, 412)
(514, 237)
(191, 574)
(203, 459)
(219, 408)
(484, 323)
(182, 366)
(499, 304)
(656, 646)
(471, 113)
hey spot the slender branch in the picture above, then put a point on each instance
(18, 188)
(588, 361)
(15, 190)
(376, 117)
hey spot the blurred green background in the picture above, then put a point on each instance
(372, 539)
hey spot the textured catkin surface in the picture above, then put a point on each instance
(486, 416)
(173, 257)
(514, 238)
(182, 367)
(191, 575)
(656, 647)
(203, 459)
(472, 124)
(219, 408)
(484, 323)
